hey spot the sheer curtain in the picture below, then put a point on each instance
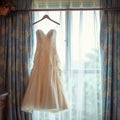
(79, 52)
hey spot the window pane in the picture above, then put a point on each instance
(78, 47)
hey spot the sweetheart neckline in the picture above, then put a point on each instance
(45, 34)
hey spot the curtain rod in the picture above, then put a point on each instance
(69, 9)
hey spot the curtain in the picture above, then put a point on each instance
(64, 4)
(110, 57)
(16, 45)
(79, 51)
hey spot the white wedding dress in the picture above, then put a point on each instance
(45, 89)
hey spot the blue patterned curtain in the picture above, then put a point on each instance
(16, 46)
(110, 54)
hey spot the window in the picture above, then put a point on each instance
(79, 52)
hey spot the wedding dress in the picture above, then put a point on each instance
(45, 90)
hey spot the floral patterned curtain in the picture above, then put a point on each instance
(110, 54)
(16, 45)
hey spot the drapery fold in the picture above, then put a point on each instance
(16, 53)
(109, 3)
(110, 57)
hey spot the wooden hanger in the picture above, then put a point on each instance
(44, 17)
